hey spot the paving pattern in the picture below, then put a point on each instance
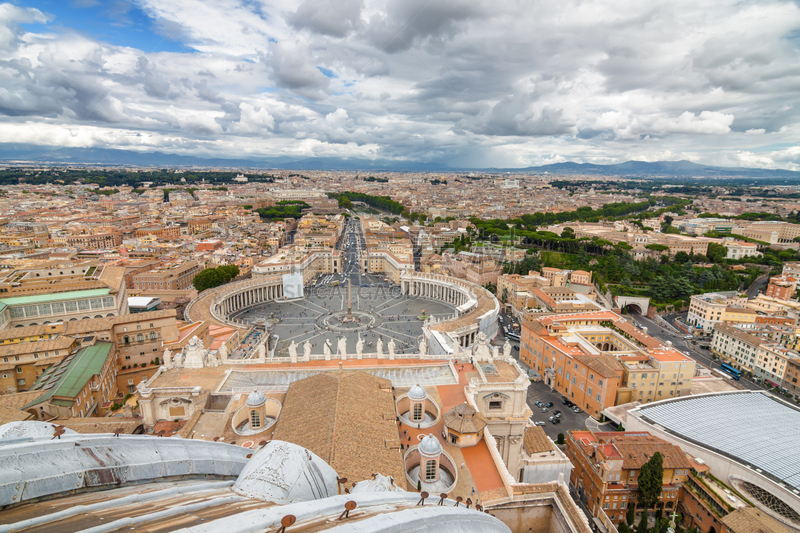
(378, 310)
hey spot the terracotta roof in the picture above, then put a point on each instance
(637, 450)
(17, 400)
(605, 365)
(8, 414)
(463, 418)
(536, 441)
(59, 343)
(348, 419)
(102, 425)
(752, 520)
(139, 317)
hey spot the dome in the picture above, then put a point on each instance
(417, 393)
(430, 446)
(282, 472)
(29, 429)
(464, 418)
(256, 398)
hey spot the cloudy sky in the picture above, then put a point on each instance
(468, 83)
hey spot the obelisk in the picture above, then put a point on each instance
(349, 301)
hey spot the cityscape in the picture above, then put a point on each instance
(249, 249)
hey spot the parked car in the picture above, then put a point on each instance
(537, 403)
(556, 413)
(540, 423)
(556, 421)
(549, 404)
(544, 409)
(577, 409)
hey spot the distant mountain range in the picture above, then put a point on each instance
(10, 153)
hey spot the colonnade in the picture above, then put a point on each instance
(248, 297)
(427, 289)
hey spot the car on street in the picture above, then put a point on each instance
(540, 423)
(577, 409)
(556, 421)
(538, 403)
(549, 404)
(544, 409)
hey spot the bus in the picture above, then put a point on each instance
(735, 374)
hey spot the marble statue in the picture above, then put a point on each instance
(223, 352)
(307, 350)
(391, 348)
(495, 352)
(194, 355)
(379, 347)
(293, 351)
(506, 350)
(360, 348)
(261, 352)
(341, 349)
(167, 358)
(326, 349)
(423, 346)
(456, 350)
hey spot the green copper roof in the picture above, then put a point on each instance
(67, 378)
(43, 298)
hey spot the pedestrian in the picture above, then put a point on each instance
(462, 464)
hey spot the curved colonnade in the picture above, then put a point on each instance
(476, 308)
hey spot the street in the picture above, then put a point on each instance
(678, 341)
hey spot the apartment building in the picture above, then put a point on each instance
(100, 241)
(735, 346)
(657, 374)
(782, 287)
(706, 310)
(607, 466)
(21, 363)
(171, 276)
(160, 232)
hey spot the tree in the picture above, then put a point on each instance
(630, 514)
(345, 203)
(642, 526)
(568, 233)
(681, 258)
(560, 439)
(214, 277)
(651, 477)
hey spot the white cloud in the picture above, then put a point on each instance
(465, 82)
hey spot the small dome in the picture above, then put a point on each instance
(430, 446)
(256, 398)
(282, 472)
(417, 393)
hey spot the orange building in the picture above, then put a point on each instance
(579, 367)
(606, 470)
(782, 287)
(162, 232)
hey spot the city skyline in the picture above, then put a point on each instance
(458, 84)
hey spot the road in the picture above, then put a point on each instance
(685, 345)
(759, 282)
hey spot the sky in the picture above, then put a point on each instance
(464, 83)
